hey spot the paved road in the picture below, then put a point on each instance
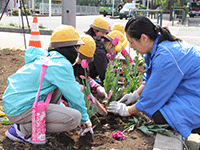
(194, 22)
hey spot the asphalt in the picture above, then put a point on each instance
(21, 41)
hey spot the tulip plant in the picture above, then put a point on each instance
(111, 80)
(133, 78)
(112, 77)
(87, 92)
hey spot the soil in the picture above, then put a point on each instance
(11, 61)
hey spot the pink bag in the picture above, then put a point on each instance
(39, 111)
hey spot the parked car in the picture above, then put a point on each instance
(194, 9)
(124, 12)
(108, 11)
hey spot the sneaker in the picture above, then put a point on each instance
(14, 134)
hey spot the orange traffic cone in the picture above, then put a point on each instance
(35, 35)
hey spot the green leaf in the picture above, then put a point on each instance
(145, 130)
(161, 131)
(158, 126)
(5, 121)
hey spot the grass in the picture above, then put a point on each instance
(14, 25)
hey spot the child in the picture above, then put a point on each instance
(22, 87)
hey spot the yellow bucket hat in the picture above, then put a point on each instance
(111, 35)
(119, 27)
(87, 50)
(122, 40)
(100, 24)
(65, 35)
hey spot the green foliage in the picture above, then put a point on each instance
(111, 80)
(148, 130)
(15, 11)
(12, 24)
(131, 125)
(143, 7)
(41, 26)
(5, 121)
(133, 78)
(86, 91)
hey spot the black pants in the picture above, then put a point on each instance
(159, 119)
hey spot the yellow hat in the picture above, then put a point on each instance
(100, 24)
(119, 27)
(87, 50)
(113, 34)
(65, 35)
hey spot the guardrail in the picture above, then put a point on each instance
(180, 16)
(56, 9)
(149, 13)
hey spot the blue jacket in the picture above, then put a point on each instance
(23, 85)
(173, 85)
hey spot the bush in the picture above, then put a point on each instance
(143, 7)
(15, 11)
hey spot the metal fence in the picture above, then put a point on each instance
(57, 9)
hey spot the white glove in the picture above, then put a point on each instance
(118, 108)
(129, 98)
(86, 127)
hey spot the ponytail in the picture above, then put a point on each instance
(142, 25)
(165, 34)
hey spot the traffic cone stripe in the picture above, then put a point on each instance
(35, 27)
(35, 35)
(34, 38)
(36, 44)
(35, 20)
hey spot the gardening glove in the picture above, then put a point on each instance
(98, 87)
(86, 127)
(102, 91)
(93, 83)
(129, 98)
(118, 108)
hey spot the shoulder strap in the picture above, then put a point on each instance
(44, 67)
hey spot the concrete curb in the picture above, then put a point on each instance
(19, 30)
(163, 142)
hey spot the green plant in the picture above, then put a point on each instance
(143, 7)
(41, 26)
(133, 77)
(12, 24)
(111, 80)
(87, 92)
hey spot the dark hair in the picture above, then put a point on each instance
(135, 27)
(69, 52)
(98, 38)
(91, 32)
